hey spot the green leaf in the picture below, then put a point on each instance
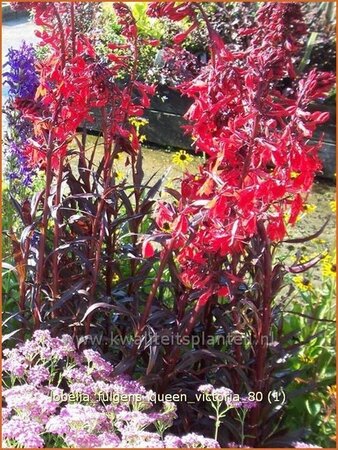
(308, 50)
(313, 408)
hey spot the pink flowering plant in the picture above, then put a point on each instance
(56, 396)
(139, 281)
(221, 401)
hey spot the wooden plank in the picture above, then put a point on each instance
(169, 100)
(165, 129)
(327, 155)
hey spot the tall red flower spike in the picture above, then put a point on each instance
(255, 133)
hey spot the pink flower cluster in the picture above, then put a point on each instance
(56, 395)
(226, 395)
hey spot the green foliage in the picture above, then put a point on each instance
(312, 394)
(148, 28)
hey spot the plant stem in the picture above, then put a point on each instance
(49, 178)
(241, 418)
(174, 355)
(43, 232)
(57, 230)
(72, 25)
(218, 422)
(98, 225)
(62, 36)
(154, 287)
(211, 32)
(260, 379)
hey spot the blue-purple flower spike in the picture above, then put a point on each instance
(21, 76)
(22, 79)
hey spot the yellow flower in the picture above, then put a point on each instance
(166, 226)
(319, 241)
(307, 359)
(309, 208)
(119, 176)
(138, 122)
(115, 278)
(333, 206)
(332, 390)
(328, 266)
(303, 284)
(303, 258)
(294, 175)
(287, 216)
(182, 158)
